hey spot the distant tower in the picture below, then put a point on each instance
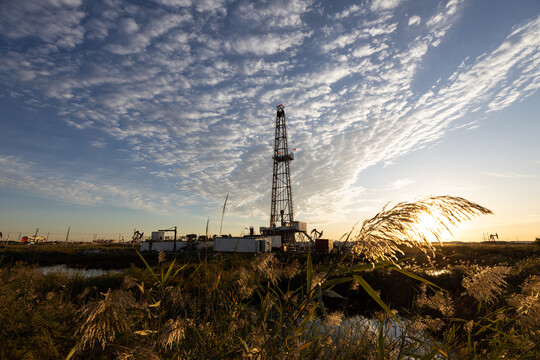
(282, 221)
(281, 213)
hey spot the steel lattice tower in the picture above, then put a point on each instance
(281, 213)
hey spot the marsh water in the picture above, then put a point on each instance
(76, 271)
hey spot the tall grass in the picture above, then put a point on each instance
(38, 311)
(279, 307)
(271, 309)
(413, 224)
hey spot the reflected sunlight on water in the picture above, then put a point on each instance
(74, 271)
(437, 272)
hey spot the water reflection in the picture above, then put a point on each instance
(75, 271)
(437, 272)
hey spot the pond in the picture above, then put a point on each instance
(400, 333)
(76, 271)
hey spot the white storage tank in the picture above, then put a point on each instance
(158, 235)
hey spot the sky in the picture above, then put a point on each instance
(120, 115)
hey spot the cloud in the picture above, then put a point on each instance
(375, 31)
(399, 183)
(508, 175)
(352, 10)
(99, 143)
(414, 20)
(377, 5)
(382, 30)
(368, 50)
(266, 44)
(128, 40)
(449, 10)
(273, 14)
(128, 26)
(175, 3)
(54, 22)
(189, 98)
(342, 41)
(16, 173)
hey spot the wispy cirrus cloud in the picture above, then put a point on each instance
(508, 175)
(16, 173)
(267, 44)
(399, 183)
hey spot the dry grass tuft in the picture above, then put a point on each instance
(415, 223)
(104, 319)
(138, 353)
(173, 333)
(439, 301)
(527, 305)
(485, 284)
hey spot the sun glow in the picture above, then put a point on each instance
(434, 226)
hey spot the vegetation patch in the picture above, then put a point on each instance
(425, 301)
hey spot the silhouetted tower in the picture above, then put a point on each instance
(282, 221)
(281, 213)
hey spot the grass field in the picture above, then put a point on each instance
(468, 301)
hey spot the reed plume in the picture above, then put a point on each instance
(486, 284)
(106, 318)
(415, 223)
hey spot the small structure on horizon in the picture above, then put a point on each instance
(492, 237)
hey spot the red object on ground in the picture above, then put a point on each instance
(324, 246)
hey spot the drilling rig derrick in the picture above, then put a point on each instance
(281, 213)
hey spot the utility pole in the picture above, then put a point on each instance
(67, 235)
(222, 215)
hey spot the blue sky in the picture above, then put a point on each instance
(119, 115)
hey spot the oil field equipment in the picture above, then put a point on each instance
(281, 213)
(137, 236)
